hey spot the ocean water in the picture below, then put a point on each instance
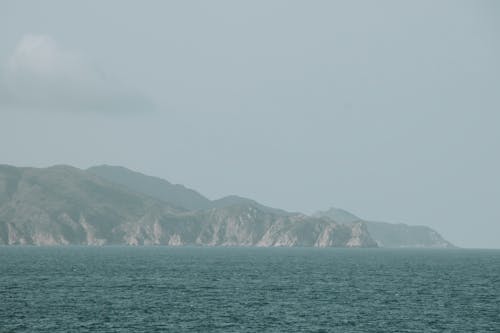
(164, 289)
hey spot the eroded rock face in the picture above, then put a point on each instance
(63, 205)
(392, 235)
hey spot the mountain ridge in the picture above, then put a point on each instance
(63, 205)
(392, 235)
(176, 194)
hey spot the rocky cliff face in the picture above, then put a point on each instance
(64, 205)
(390, 234)
(248, 227)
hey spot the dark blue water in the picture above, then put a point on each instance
(161, 289)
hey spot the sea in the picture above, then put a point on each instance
(204, 289)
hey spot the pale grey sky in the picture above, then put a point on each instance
(389, 109)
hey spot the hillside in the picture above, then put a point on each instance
(63, 205)
(158, 188)
(386, 234)
(390, 234)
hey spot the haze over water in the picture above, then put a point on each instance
(389, 110)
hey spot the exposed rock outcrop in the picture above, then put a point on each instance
(392, 235)
(64, 205)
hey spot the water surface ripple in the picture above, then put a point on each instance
(164, 289)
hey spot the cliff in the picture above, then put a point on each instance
(63, 205)
(392, 235)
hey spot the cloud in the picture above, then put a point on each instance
(40, 74)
